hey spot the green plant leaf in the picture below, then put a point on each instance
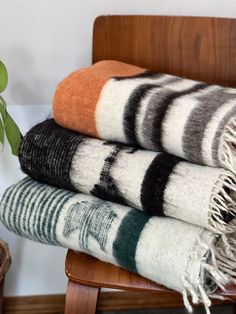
(7, 124)
(1, 132)
(13, 134)
(3, 110)
(3, 77)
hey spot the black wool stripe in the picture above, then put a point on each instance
(106, 188)
(131, 109)
(145, 74)
(162, 110)
(154, 183)
(197, 122)
(46, 153)
(128, 234)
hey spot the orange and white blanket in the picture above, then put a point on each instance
(115, 101)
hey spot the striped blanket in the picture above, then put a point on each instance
(120, 102)
(157, 183)
(154, 247)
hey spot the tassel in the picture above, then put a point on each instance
(222, 201)
(228, 155)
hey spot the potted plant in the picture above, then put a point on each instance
(5, 262)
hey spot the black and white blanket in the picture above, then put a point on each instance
(157, 183)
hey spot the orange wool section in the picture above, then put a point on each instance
(76, 96)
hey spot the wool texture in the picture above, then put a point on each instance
(157, 183)
(154, 247)
(160, 112)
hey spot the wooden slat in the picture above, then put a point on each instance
(201, 48)
(108, 301)
(142, 300)
(43, 304)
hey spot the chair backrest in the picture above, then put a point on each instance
(200, 48)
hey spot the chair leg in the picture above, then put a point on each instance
(81, 299)
(234, 308)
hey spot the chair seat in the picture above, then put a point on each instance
(87, 275)
(87, 270)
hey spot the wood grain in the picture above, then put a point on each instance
(43, 304)
(81, 299)
(108, 301)
(143, 300)
(87, 270)
(200, 48)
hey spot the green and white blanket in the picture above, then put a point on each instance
(176, 254)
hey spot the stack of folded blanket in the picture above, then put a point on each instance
(138, 169)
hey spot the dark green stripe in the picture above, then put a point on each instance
(42, 222)
(20, 207)
(40, 211)
(32, 209)
(125, 244)
(53, 217)
(5, 205)
(7, 200)
(47, 209)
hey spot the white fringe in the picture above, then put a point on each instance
(228, 147)
(222, 201)
(220, 266)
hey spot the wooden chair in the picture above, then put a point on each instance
(195, 47)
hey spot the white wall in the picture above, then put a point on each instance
(41, 41)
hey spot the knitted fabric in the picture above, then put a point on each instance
(119, 102)
(157, 183)
(178, 255)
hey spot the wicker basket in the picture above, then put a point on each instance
(5, 261)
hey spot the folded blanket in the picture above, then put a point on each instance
(178, 255)
(119, 102)
(157, 183)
